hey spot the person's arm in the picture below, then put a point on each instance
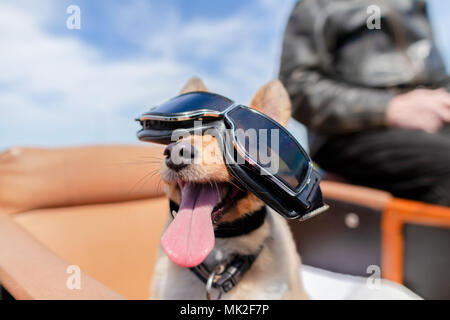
(320, 102)
(32, 178)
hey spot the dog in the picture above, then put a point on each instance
(275, 273)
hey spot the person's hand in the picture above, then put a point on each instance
(420, 109)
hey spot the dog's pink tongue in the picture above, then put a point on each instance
(190, 237)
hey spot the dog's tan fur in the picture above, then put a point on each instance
(276, 272)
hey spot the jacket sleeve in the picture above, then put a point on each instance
(320, 102)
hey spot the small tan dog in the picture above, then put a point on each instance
(275, 273)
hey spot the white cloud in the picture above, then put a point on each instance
(57, 89)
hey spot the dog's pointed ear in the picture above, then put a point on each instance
(273, 100)
(194, 84)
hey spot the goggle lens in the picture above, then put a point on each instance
(273, 149)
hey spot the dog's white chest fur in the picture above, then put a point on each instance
(275, 274)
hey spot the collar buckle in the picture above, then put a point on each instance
(225, 276)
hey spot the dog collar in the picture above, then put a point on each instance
(239, 227)
(225, 275)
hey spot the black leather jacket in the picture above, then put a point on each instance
(341, 75)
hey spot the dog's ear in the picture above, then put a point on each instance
(194, 84)
(273, 100)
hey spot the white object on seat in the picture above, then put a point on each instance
(326, 285)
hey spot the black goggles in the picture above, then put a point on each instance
(285, 179)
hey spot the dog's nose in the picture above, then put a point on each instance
(179, 155)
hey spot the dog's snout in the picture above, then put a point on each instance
(179, 155)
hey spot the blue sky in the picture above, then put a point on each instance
(70, 87)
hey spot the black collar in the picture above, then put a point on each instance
(226, 275)
(239, 227)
